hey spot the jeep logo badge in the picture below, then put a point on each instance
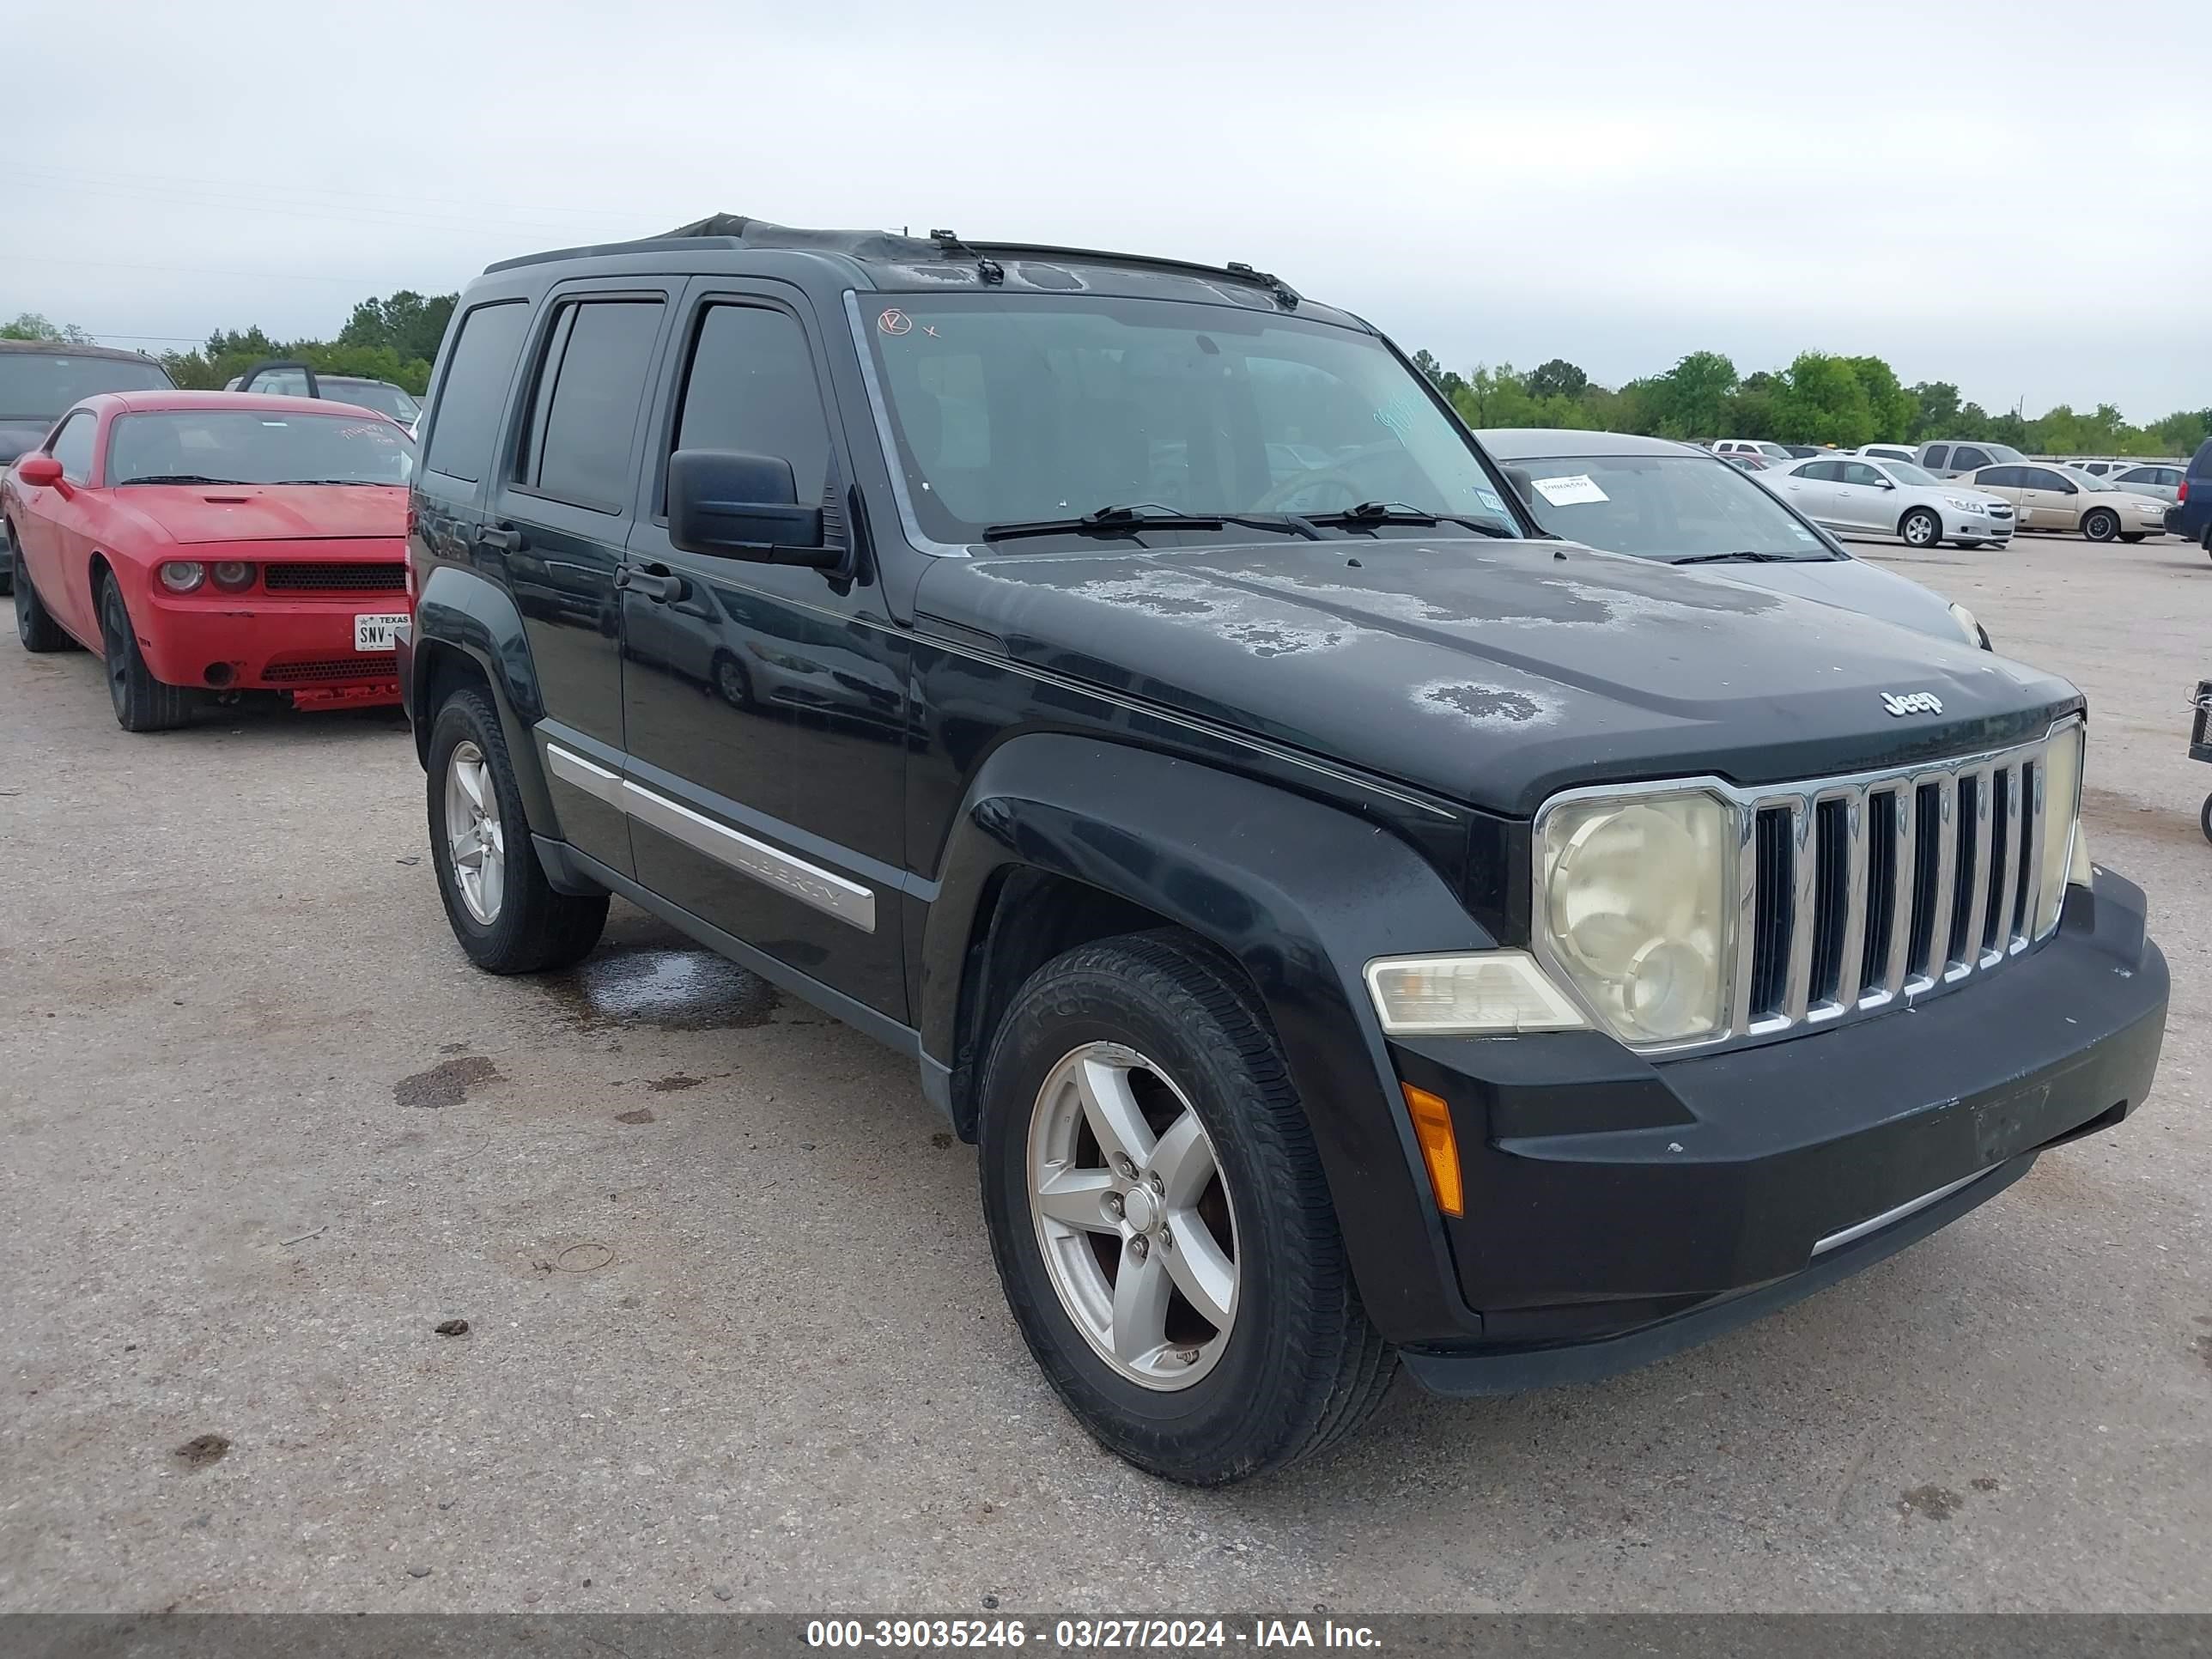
(1912, 702)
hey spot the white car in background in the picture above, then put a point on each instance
(1889, 453)
(1861, 495)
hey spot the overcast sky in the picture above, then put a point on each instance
(2009, 196)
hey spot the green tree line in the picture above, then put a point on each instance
(1820, 398)
(394, 339)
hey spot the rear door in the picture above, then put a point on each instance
(559, 519)
(766, 704)
(1811, 488)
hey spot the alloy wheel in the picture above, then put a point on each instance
(1132, 1216)
(476, 841)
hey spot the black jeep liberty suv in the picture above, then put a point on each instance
(1357, 931)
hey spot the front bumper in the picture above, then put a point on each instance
(1971, 527)
(262, 642)
(1619, 1209)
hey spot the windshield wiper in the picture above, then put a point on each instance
(1748, 558)
(1148, 515)
(181, 477)
(1375, 512)
(371, 482)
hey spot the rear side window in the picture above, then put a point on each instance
(72, 446)
(596, 358)
(2001, 477)
(1934, 454)
(475, 389)
(752, 388)
(1823, 471)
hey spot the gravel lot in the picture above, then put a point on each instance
(734, 1335)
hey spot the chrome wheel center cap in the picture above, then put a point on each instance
(1140, 1209)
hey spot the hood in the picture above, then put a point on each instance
(16, 436)
(1494, 672)
(1866, 588)
(193, 513)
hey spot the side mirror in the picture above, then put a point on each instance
(735, 506)
(40, 470)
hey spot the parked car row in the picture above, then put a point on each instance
(1376, 896)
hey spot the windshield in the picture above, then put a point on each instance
(1660, 507)
(212, 445)
(2002, 452)
(1906, 473)
(37, 385)
(1010, 409)
(2088, 480)
(378, 395)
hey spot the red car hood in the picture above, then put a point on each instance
(269, 512)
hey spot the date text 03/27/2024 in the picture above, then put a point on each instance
(1087, 1635)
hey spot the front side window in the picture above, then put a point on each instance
(598, 357)
(72, 446)
(1965, 457)
(1823, 471)
(1858, 472)
(1662, 507)
(752, 388)
(37, 385)
(474, 391)
(1010, 409)
(254, 446)
(2042, 477)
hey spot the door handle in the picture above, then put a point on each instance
(657, 583)
(504, 539)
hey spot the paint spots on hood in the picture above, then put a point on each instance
(1489, 706)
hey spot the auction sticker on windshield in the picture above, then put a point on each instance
(1565, 492)
(375, 630)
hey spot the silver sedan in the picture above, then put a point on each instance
(1892, 498)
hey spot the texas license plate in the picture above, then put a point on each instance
(377, 630)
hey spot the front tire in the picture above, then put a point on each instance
(1920, 528)
(2134, 535)
(2100, 526)
(34, 624)
(1160, 1221)
(142, 703)
(505, 912)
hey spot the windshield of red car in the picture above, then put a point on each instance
(37, 385)
(253, 447)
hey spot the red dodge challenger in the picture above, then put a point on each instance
(217, 543)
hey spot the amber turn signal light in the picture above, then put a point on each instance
(1432, 1127)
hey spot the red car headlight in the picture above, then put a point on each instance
(183, 576)
(234, 575)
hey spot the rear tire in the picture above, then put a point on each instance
(2204, 817)
(142, 703)
(512, 921)
(34, 624)
(1920, 528)
(2100, 525)
(1295, 1365)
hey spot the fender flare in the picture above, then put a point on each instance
(1300, 893)
(459, 610)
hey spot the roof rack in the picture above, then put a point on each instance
(882, 246)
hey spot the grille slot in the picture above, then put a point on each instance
(383, 578)
(1862, 892)
(368, 666)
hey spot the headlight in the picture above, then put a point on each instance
(1633, 907)
(235, 574)
(2065, 855)
(1965, 505)
(183, 576)
(1967, 625)
(1482, 993)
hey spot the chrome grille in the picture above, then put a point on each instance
(1861, 893)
